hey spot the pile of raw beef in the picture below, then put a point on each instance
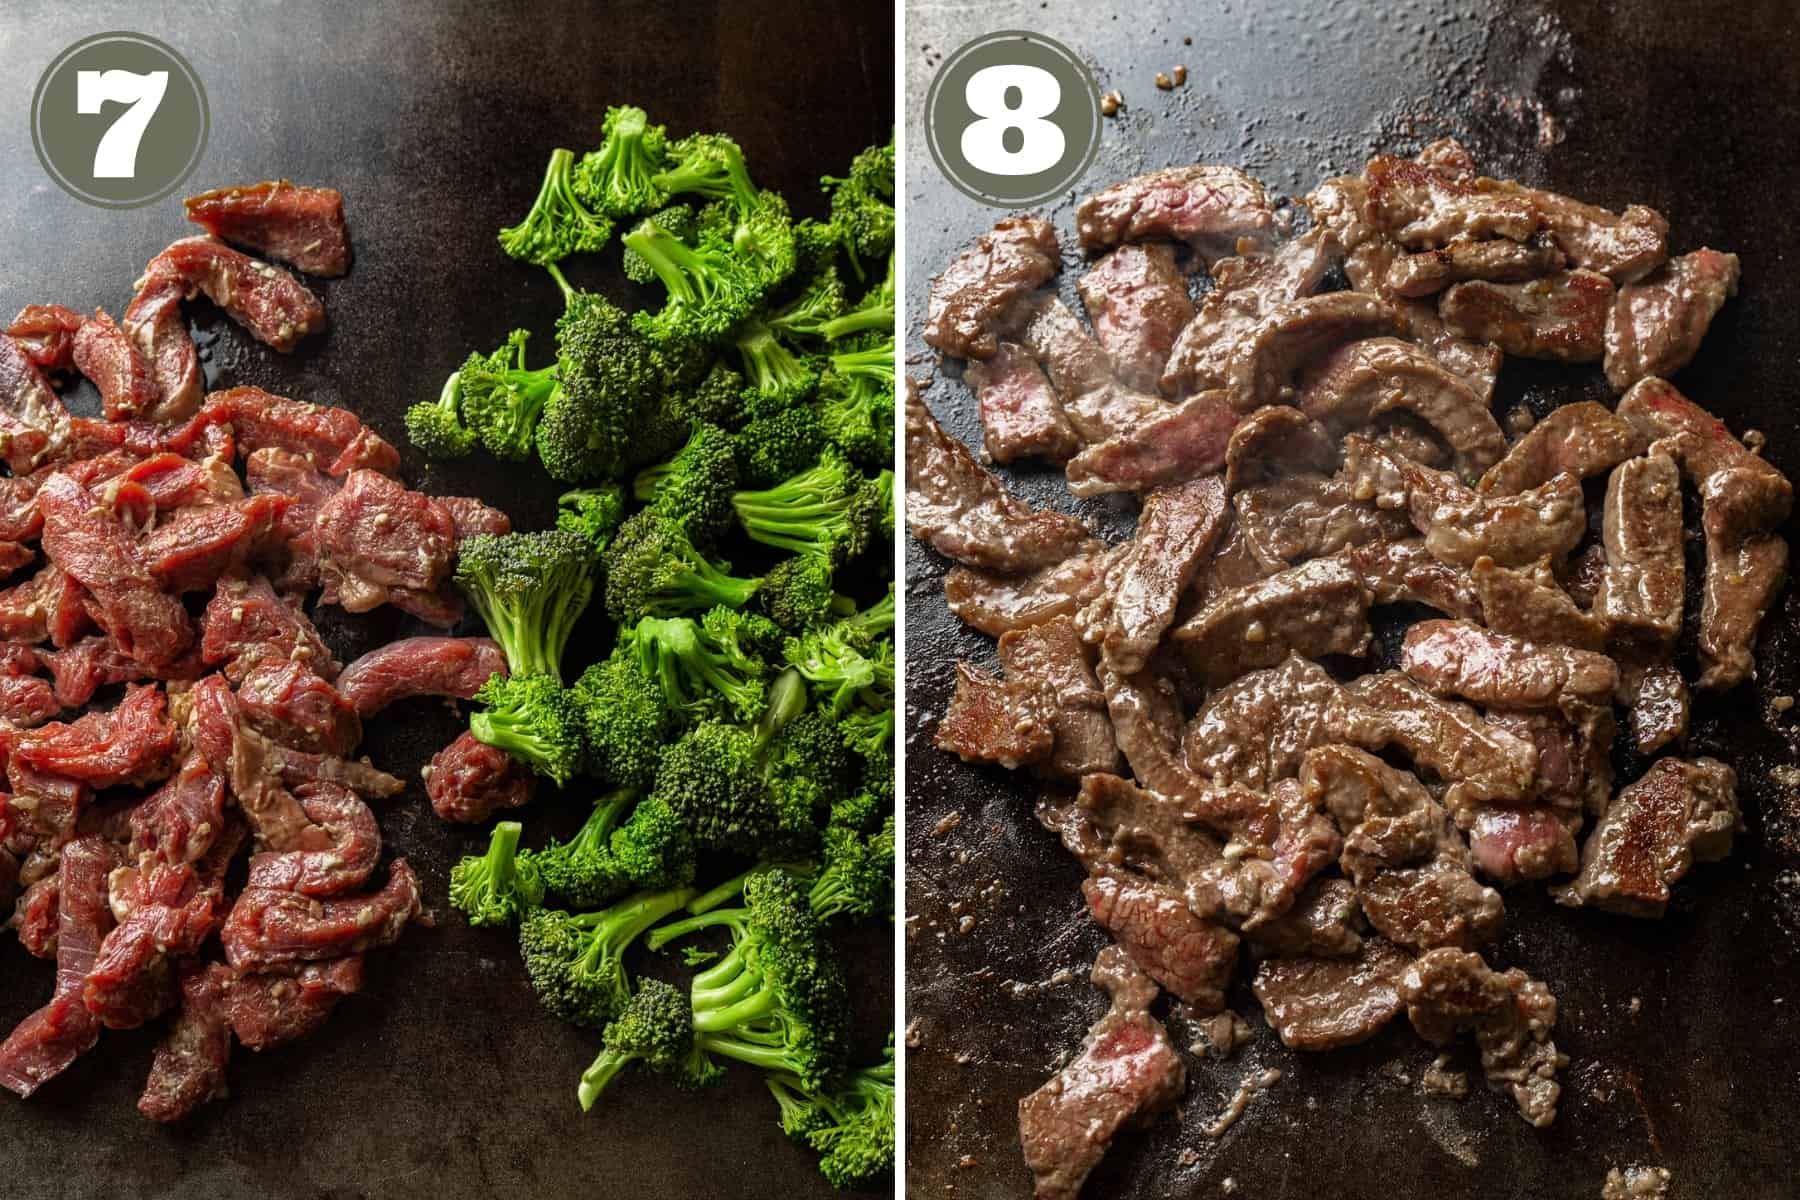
(146, 560)
(1318, 460)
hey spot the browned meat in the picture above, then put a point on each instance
(97, 552)
(375, 536)
(1479, 762)
(1233, 565)
(991, 720)
(45, 1043)
(1127, 1073)
(268, 926)
(1420, 205)
(1020, 414)
(1581, 439)
(246, 624)
(1275, 442)
(106, 356)
(1640, 593)
(1255, 730)
(1562, 317)
(1678, 813)
(1656, 326)
(1317, 608)
(1658, 698)
(1515, 844)
(189, 1067)
(1207, 207)
(1377, 377)
(130, 744)
(33, 422)
(469, 781)
(1138, 303)
(292, 705)
(1097, 405)
(154, 323)
(1193, 959)
(1510, 1013)
(1050, 657)
(333, 440)
(1176, 531)
(980, 297)
(190, 552)
(995, 603)
(1496, 260)
(300, 225)
(1530, 605)
(1476, 363)
(1169, 445)
(353, 846)
(968, 515)
(1323, 1003)
(269, 1008)
(1623, 246)
(274, 306)
(1405, 572)
(1289, 520)
(1458, 658)
(1574, 772)
(1245, 289)
(1326, 920)
(423, 666)
(1297, 333)
(46, 333)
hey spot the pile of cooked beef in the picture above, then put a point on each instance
(1217, 742)
(147, 560)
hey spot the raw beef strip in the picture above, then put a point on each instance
(98, 553)
(289, 703)
(472, 517)
(422, 666)
(46, 332)
(469, 781)
(190, 552)
(269, 925)
(333, 440)
(303, 226)
(345, 863)
(189, 1067)
(112, 362)
(274, 306)
(375, 535)
(131, 744)
(246, 624)
(33, 422)
(269, 1008)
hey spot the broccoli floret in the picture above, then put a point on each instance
(867, 730)
(677, 219)
(532, 718)
(857, 414)
(576, 963)
(617, 179)
(807, 314)
(797, 593)
(805, 768)
(710, 165)
(856, 878)
(436, 426)
(828, 509)
(608, 373)
(780, 444)
(581, 870)
(764, 237)
(862, 205)
(694, 488)
(654, 849)
(853, 1125)
(591, 513)
(777, 377)
(700, 675)
(501, 400)
(653, 570)
(626, 720)
(876, 619)
(874, 313)
(872, 361)
(498, 887)
(717, 399)
(559, 223)
(530, 589)
(839, 660)
(710, 287)
(656, 1028)
(777, 999)
(817, 245)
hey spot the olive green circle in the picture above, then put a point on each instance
(1077, 114)
(65, 140)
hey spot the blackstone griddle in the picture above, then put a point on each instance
(1681, 1032)
(443, 1078)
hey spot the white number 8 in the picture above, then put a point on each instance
(983, 142)
(116, 155)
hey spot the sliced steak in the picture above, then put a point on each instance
(1245, 289)
(965, 513)
(1208, 207)
(272, 470)
(190, 552)
(333, 440)
(1322, 1003)
(1051, 657)
(1623, 246)
(269, 926)
(344, 862)
(1562, 317)
(271, 1008)
(154, 323)
(1317, 608)
(1377, 377)
(1405, 572)
(980, 297)
(994, 603)
(1097, 405)
(1296, 334)
(1169, 445)
(1138, 303)
(130, 744)
(1422, 206)
(1191, 958)
(97, 552)
(469, 781)
(46, 333)
(246, 624)
(291, 704)
(1574, 755)
(1479, 762)
(1289, 520)
(180, 821)
(993, 720)
(1326, 921)
(423, 666)
(1257, 729)
(1640, 593)
(1657, 697)
(1579, 439)
(1176, 531)
(1277, 442)
(1530, 605)
(1020, 414)
(1512, 845)
(1656, 326)
(302, 226)
(1459, 658)
(274, 306)
(474, 517)
(106, 356)
(34, 425)
(1678, 813)
(376, 537)
(189, 1067)
(1496, 260)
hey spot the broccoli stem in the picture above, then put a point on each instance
(861, 320)
(768, 1058)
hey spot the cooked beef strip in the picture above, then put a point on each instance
(1256, 729)
(469, 781)
(1510, 845)
(1574, 754)
(1496, 260)
(1309, 516)
(1405, 572)
(978, 298)
(1127, 1072)
(1232, 565)
(1581, 439)
(1245, 289)
(1657, 697)
(1364, 380)
(33, 422)
(994, 720)
(994, 603)
(1678, 813)
(1407, 436)
(1170, 445)
(1051, 657)
(1479, 762)
(1461, 525)
(1176, 531)
(1476, 362)
(274, 306)
(1623, 246)
(1561, 317)
(966, 514)
(189, 1067)
(1317, 608)
(1296, 333)
(300, 225)
(1097, 405)
(1208, 207)
(1193, 959)
(1274, 442)
(1422, 206)
(1322, 1003)
(1326, 920)
(1640, 593)
(46, 333)
(1656, 326)
(1020, 414)
(1138, 303)
(106, 356)
(1112, 823)
(1531, 605)
(1458, 658)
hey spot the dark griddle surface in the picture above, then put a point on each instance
(1682, 1031)
(442, 1079)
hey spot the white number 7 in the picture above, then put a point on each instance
(116, 155)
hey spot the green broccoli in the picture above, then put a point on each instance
(840, 660)
(862, 205)
(852, 1123)
(498, 887)
(694, 488)
(576, 964)
(710, 165)
(592, 513)
(700, 675)
(559, 223)
(779, 444)
(653, 570)
(608, 374)
(797, 593)
(618, 178)
(532, 718)
(871, 359)
(717, 399)
(764, 237)
(502, 401)
(817, 245)
(654, 848)
(867, 730)
(876, 619)
(677, 220)
(626, 720)
(710, 287)
(777, 378)
(856, 877)
(530, 589)
(655, 1028)
(808, 314)
(857, 415)
(436, 426)
(874, 313)
(581, 870)
(829, 509)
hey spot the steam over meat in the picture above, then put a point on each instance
(979, 297)
(300, 225)
(1245, 289)
(1098, 406)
